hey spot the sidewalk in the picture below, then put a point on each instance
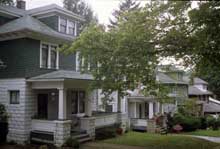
(211, 139)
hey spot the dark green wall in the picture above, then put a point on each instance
(22, 57)
(4, 20)
(51, 21)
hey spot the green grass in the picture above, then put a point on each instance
(156, 141)
(211, 133)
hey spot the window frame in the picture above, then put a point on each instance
(68, 21)
(49, 55)
(17, 102)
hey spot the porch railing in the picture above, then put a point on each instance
(138, 122)
(43, 125)
(105, 120)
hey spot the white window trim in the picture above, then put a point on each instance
(9, 97)
(49, 55)
(67, 25)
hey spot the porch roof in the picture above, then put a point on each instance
(211, 107)
(196, 91)
(61, 75)
(140, 98)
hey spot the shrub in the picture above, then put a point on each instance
(203, 121)
(106, 133)
(71, 142)
(213, 122)
(189, 123)
(3, 123)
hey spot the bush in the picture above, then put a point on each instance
(3, 123)
(106, 133)
(71, 142)
(203, 121)
(213, 122)
(189, 123)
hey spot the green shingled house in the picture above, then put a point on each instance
(43, 91)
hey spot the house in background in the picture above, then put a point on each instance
(43, 90)
(199, 91)
(140, 109)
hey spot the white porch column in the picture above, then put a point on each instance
(88, 104)
(62, 108)
(135, 110)
(151, 110)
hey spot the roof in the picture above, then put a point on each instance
(12, 11)
(163, 78)
(192, 90)
(199, 81)
(212, 107)
(31, 24)
(61, 75)
(53, 8)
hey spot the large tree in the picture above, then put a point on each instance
(7, 2)
(124, 57)
(124, 6)
(193, 34)
(80, 7)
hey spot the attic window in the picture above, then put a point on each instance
(67, 26)
(63, 25)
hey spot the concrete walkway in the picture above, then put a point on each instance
(94, 145)
(211, 139)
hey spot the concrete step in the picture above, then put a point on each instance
(84, 140)
(80, 136)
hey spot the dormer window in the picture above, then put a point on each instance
(63, 25)
(67, 26)
(49, 56)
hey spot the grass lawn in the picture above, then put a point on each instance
(210, 133)
(156, 141)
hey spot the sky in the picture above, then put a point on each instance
(102, 8)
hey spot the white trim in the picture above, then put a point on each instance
(49, 55)
(67, 26)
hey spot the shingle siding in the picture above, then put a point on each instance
(51, 21)
(22, 57)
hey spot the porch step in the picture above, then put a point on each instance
(82, 138)
(42, 137)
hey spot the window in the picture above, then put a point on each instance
(77, 101)
(71, 28)
(66, 26)
(53, 56)
(45, 55)
(63, 25)
(14, 97)
(49, 56)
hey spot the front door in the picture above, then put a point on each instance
(43, 106)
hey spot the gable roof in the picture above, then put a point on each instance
(163, 78)
(36, 27)
(51, 9)
(61, 75)
(192, 90)
(199, 81)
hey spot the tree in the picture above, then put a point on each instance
(124, 57)
(192, 34)
(81, 8)
(125, 6)
(7, 2)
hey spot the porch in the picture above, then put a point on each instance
(141, 110)
(63, 107)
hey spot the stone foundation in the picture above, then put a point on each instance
(151, 127)
(62, 132)
(88, 124)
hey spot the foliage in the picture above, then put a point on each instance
(213, 122)
(71, 142)
(81, 8)
(125, 6)
(106, 133)
(192, 34)
(157, 141)
(3, 114)
(7, 2)
(189, 123)
(122, 58)
(190, 108)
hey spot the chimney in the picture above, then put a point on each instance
(21, 4)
